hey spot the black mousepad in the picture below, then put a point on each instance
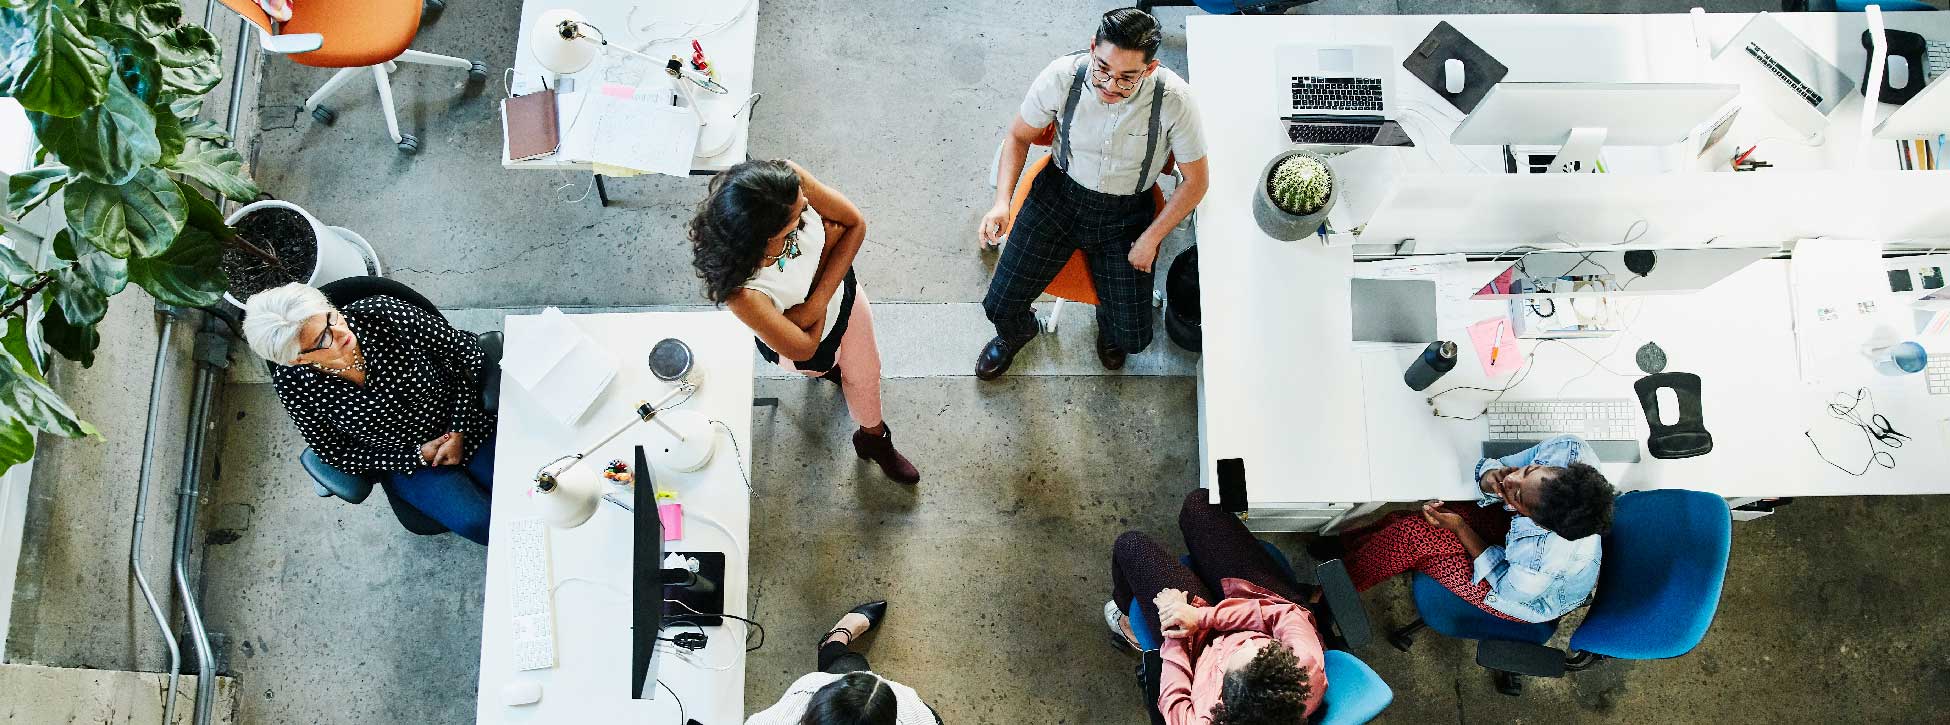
(1480, 71)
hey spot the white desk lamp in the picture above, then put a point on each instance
(564, 46)
(567, 494)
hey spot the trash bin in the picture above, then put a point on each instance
(1181, 301)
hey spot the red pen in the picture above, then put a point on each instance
(1743, 156)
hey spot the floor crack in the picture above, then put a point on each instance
(492, 267)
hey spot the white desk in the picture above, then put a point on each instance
(731, 51)
(591, 680)
(1456, 199)
(1324, 428)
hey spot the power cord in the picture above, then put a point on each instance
(1876, 432)
(1514, 382)
(680, 701)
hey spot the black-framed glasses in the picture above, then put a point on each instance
(325, 336)
(1103, 76)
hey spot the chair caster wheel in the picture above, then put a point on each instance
(1580, 661)
(1509, 683)
(428, 7)
(324, 115)
(477, 73)
(409, 144)
(1401, 641)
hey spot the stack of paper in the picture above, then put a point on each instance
(620, 127)
(560, 367)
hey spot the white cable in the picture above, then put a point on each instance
(690, 31)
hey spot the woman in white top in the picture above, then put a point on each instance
(777, 246)
(845, 691)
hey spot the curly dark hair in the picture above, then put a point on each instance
(1575, 503)
(859, 698)
(1270, 689)
(745, 206)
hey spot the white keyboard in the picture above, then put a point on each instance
(1593, 418)
(1938, 374)
(1936, 60)
(533, 614)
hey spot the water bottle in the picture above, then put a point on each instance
(1436, 360)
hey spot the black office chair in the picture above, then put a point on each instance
(328, 481)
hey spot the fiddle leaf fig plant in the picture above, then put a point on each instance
(112, 89)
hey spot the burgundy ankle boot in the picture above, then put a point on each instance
(880, 449)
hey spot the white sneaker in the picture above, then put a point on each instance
(1114, 618)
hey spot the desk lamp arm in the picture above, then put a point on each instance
(646, 413)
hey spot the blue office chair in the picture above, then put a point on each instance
(1659, 585)
(1228, 7)
(1355, 694)
(328, 481)
(1851, 6)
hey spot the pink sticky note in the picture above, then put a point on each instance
(1483, 335)
(672, 514)
(618, 90)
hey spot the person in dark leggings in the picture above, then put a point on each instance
(845, 691)
(1252, 655)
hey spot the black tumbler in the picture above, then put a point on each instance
(1436, 359)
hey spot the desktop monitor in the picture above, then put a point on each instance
(1613, 271)
(1581, 118)
(646, 583)
(1924, 116)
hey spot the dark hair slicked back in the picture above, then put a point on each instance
(857, 698)
(1132, 29)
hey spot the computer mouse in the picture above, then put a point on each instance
(1452, 75)
(1898, 72)
(521, 692)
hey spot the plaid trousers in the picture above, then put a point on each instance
(1059, 217)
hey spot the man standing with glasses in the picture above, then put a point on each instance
(1119, 116)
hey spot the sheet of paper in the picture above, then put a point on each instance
(560, 366)
(1508, 353)
(645, 134)
(554, 336)
(1841, 308)
(1363, 178)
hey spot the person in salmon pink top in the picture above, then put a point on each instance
(1239, 648)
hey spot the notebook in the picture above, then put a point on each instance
(531, 125)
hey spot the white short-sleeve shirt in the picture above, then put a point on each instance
(1107, 140)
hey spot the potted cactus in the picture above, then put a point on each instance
(1296, 191)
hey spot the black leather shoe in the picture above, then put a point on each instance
(995, 358)
(1110, 355)
(874, 611)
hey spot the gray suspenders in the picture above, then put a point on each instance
(1150, 140)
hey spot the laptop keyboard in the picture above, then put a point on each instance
(1331, 133)
(1315, 93)
(1781, 72)
(1937, 61)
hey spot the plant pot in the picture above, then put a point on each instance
(340, 253)
(1279, 223)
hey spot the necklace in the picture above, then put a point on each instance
(358, 363)
(791, 251)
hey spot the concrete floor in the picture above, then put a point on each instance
(996, 565)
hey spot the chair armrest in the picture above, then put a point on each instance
(1522, 658)
(491, 346)
(1150, 681)
(329, 481)
(995, 168)
(288, 44)
(1345, 612)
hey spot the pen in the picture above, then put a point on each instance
(1497, 346)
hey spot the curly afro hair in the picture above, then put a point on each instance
(745, 207)
(1270, 690)
(1575, 503)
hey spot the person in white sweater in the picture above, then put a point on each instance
(845, 691)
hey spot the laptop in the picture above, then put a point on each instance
(1340, 95)
(1794, 81)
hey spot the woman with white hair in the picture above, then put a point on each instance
(383, 387)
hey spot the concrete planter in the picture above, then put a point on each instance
(341, 253)
(1279, 223)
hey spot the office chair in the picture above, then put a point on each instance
(1229, 7)
(1355, 694)
(1072, 283)
(1851, 6)
(328, 481)
(355, 36)
(1658, 588)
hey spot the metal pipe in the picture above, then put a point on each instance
(211, 356)
(143, 479)
(244, 32)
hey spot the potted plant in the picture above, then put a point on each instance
(1296, 191)
(282, 243)
(112, 90)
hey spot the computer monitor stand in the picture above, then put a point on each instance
(1579, 152)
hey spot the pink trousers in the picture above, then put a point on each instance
(859, 362)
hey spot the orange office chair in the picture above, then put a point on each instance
(1072, 283)
(354, 36)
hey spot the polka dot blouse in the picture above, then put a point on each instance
(423, 379)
